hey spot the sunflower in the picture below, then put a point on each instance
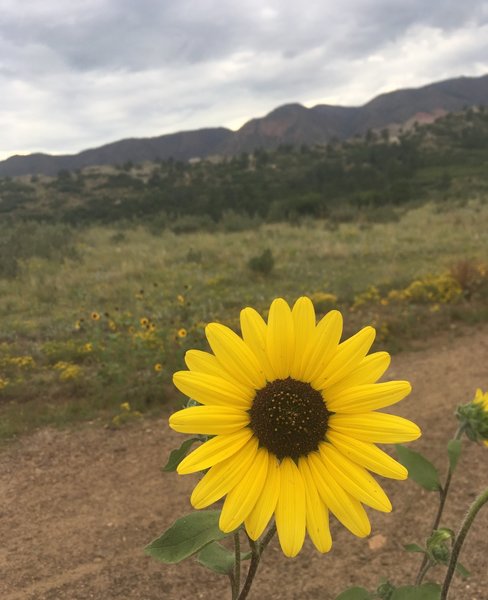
(182, 333)
(292, 413)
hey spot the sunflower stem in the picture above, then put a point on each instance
(461, 536)
(237, 565)
(426, 564)
(257, 548)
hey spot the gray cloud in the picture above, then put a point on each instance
(92, 71)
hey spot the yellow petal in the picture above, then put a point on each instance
(364, 398)
(317, 513)
(354, 479)
(235, 355)
(214, 451)
(349, 511)
(263, 510)
(323, 347)
(367, 455)
(280, 338)
(253, 330)
(290, 509)
(224, 476)
(348, 356)
(209, 420)
(204, 362)
(375, 427)
(242, 498)
(303, 314)
(369, 370)
(213, 391)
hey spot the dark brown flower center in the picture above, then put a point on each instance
(289, 418)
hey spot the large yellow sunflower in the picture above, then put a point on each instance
(292, 412)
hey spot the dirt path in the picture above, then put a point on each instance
(77, 507)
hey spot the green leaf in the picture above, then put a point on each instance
(178, 455)
(454, 452)
(413, 548)
(427, 591)
(462, 570)
(421, 470)
(186, 536)
(217, 558)
(355, 593)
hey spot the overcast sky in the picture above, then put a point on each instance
(76, 74)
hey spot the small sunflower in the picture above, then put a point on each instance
(292, 412)
(144, 322)
(158, 367)
(182, 333)
(95, 316)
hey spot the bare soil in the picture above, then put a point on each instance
(78, 506)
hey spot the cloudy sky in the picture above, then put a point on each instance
(80, 73)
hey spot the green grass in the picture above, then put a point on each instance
(184, 281)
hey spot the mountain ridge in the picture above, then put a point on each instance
(290, 123)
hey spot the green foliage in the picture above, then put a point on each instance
(427, 591)
(217, 558)
(372, 176)
(179, 454)
(186, 537)
(24, 240)
(263, 263)
(421, 470)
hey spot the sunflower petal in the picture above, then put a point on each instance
(348, 356)
(213, 391)
(323, 346)
(369, 370)
(303, 314)
(375, 427)
(290, 509)
(224, 476)
(280, 338)
(258, 518)
(235, 355)
(214, 451)
(367, 455)
(349, 511)
(205, 362)
(354, 479)
(209, 420)
(253, 330)
(371, 396)
(242, 498)
(317, 513)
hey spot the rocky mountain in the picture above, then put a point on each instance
(289, 124)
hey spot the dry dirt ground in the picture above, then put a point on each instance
(78, 506)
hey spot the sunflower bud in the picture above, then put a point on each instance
(474, 417)
(437, 545)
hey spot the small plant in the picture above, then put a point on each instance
(262, 264)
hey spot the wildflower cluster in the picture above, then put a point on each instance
(67, 370)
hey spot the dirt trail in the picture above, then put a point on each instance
(78, 506)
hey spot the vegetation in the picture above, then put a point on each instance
(105, 321)
(370, 178)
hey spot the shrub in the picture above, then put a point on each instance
(263, 263)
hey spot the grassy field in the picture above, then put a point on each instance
(105, 320)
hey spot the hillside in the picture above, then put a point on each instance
(447, 159)
(290, 124)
